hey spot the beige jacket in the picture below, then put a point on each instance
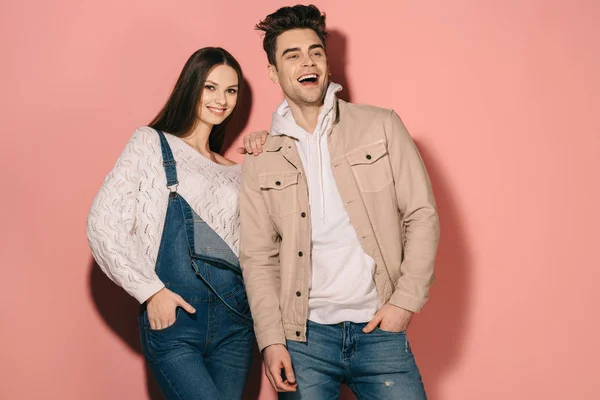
(386, 190)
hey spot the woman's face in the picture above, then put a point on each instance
(219, 96)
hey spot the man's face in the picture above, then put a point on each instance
(301, 67)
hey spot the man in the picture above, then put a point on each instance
(339, 230)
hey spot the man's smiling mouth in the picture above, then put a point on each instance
(308, 78)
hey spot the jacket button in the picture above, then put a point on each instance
(298, 333)
(298, 294)
(368, 156)
(303, 215)
(278, 183)
(300, 254)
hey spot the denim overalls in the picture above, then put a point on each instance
(206, 355)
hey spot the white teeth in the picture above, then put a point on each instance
(305, 77)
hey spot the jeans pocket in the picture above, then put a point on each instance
(240, 298)
(238, 307)
(378, 329)
(156, 343)
(146, 322)
(395, 336)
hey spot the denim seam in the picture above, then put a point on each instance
(168, 381)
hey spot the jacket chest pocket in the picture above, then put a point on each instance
(280, 191)
(371, 167)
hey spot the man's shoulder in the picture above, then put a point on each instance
(360, 111)
(362, 115)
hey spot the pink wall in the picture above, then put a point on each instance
(502, 98)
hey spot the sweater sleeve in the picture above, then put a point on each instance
(120, 246)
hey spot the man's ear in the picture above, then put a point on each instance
(273, 73)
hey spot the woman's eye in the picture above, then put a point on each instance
(232, 91)
(209, 87)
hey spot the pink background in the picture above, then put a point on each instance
(502, 98)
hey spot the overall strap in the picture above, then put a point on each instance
(168, 162)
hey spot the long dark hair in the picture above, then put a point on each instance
(180, 113)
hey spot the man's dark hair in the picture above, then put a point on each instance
(287, 18)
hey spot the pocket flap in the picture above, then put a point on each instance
(368, 154)
(277, 181)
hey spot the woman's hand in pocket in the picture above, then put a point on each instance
(162, 306)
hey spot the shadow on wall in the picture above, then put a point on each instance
(119, 310)
(336, 57)
(240, 117)
(437, 333)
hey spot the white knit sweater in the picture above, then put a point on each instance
(125, 223)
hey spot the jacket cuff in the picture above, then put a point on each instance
(407, 301)
(271, 337)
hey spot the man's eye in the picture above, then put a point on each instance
(292, 56)
(317, 53)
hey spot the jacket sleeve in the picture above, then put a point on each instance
(112, 224)
(419, 217)
(259, 259)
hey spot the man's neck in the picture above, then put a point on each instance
(306, 116)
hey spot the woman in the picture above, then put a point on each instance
(164, 226)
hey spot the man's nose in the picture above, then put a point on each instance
(308, 61)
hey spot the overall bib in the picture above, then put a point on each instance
(206, 355)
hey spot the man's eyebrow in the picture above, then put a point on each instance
(312, 47)
(290, 50)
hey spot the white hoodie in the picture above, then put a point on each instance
(342, 286)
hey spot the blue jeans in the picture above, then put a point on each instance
(205, 355)
(376, 366)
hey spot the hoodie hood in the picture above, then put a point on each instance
(283, 122)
